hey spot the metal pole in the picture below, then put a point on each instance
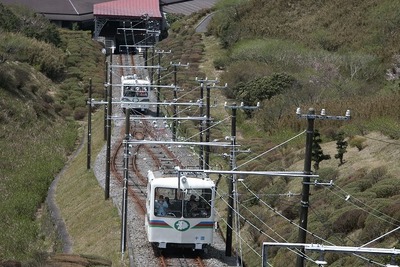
(208, 124)
(264, 256)
(306, 186)
(228, 248)
(145, 43)
(174, 107)
(105, 106)
(89, 135)
(201, 148)
(125, 187)
(108, 152)
(152, 63)
(158, 83)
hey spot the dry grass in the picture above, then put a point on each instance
(92, 222)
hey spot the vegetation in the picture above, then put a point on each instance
(341, 146)
(93, 223)
(335, 55)
(41, 92)
(317, 155)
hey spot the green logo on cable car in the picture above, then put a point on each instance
(182, 225)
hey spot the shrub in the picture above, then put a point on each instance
(328, 174)
(43, 56)
(80, 113)
(376, 227)
(365, 184)
(66, 111)
(35, 26)
(220, 63)
(48, 98)
(377, 173)
(347, 221)
(358, 142)
(385, 190)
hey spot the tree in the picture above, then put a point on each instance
(341, 146)
(317, 155)
(261, 88)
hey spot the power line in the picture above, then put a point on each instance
(348, 198)
(271, 149)
(307, 231)
(258, 229)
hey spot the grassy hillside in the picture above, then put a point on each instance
(44, 76)
(335, 55)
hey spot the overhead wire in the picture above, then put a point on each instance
(216, 211)
(307, 231)
(258, 229)
(271, 149)
(351, 197)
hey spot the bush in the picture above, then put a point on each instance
(328, 174)
(385, 190)
(66, 112)
(348, 221)
(44, 57)
(377, 173)
(80, 113)
(358, 142)
(376, 227)
(35, 26)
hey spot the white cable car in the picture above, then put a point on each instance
(180, 212)
(135, 93)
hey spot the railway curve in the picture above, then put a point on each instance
(141, 252)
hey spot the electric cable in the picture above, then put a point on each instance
(307, 231)
(271, 149)
(348, 197)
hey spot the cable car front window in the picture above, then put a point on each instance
(197, 203)
(167, 202)
(141, 91)
(129, 92)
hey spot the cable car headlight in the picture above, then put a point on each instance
(183, 180)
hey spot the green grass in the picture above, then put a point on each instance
(92, 222)
(37, 135)
(32, 152)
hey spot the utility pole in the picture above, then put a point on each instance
(154, 34)
(234, 108)
(125, 186)
(228, 248)
(174, 122)
(108, 127)
(108, 150)
(311, 117)
(159, 53)
(306, 185)
(208, 125)
(204, 152)
(105, 100)
(89, 135)
(201, 148)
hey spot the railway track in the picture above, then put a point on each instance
(182, 260)
(153, 157)
(144, 157)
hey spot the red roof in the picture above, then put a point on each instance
(128, 8)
